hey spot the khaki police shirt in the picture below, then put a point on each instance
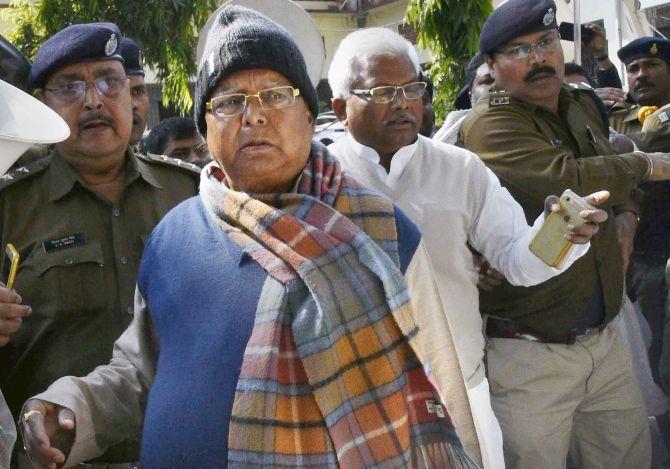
(536, 153)
(624, 119)
(80, 255)
(652, 240)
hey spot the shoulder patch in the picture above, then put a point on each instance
(23, 172)
(499, 98)
(167, 161)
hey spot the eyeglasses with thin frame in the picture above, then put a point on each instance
(109, 86)
(523, 51)
(386, 94)
(229, 105)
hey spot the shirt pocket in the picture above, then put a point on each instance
(72, 278)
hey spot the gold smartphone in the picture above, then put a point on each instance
(549, 244)
(10, 265)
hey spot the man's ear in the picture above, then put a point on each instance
(489, 61)
(340, 109)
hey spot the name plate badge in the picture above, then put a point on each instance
(68, 241)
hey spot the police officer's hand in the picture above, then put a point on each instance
(661, 170)
(611, 96)
(598, 45)
(622, 143)
(582, 233)
(12, 313)
(598, 42)
(48, 432)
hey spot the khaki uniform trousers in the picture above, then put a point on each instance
(544, 395)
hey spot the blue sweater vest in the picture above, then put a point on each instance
(202, 292)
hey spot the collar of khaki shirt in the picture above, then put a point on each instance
(628, 105)
(63, 177)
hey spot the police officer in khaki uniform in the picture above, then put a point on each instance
(132, 62)
(558, 367)
(79, 219)
(647, 63)
(23, 120)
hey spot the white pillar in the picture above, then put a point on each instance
(578, 31)
(618, 4)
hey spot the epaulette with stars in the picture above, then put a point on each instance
(167, 161)
(23, 172)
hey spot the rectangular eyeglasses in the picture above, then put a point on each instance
(229, 105)
(109, 86)
(386, 94)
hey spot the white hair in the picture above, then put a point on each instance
(361, 45)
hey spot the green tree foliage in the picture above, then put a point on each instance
(165, 30)
(449, 29)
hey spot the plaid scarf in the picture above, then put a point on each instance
(329, 376)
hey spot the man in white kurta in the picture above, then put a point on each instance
(458, 204)
(456, 201)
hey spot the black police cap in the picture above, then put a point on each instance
(74, 44)
(132, 57)
(516, 18)
(645, 47)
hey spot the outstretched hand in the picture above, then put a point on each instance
(48, 432)
(583, 232)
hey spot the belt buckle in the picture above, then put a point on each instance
(589, 331)
(528, 337)
(586, 332)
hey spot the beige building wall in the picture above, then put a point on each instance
(334, 26)
(5, 27)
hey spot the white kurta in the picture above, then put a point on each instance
(456, 201)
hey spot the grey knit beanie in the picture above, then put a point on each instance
(242, 39)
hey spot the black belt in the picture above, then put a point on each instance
(102, 465)
(508, 329)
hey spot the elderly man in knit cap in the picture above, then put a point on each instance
(287, 335)
(559, 370)
(132, 63)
